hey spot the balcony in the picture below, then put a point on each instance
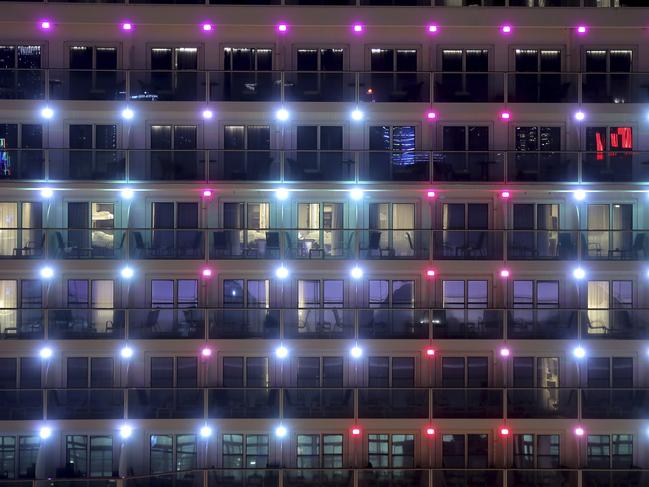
(468, 244)
(245, 165)
(543, 166)
(166, 323)
(542, 403)
(165, 403)
(319, 166)
(468, 87)
(87, 165)
(623, 324)
(317, 478)
(167, 244)
(392, 323)
(395, 244)
(22, 164)
(167, 165)
(85, 404)
(320, 243)
(21, 405)
(469, 478)
(542, 324)
(167, 85)
(22, 84)
(542, 87)
(614, 244)
(245, 86)
(614, 167)
(543, 478)
(88, 324)
(22, 324)
(541, 245)
(467, 323)
(189, 478)
(469, 166)
(305, 403)
(86, 84)
(614, 478)
(615, 403)
(615, 87)
(234, 323)
(396, 166)
(401, 87)
(82, 243)
(319, 323)
(467, 403)
(320, 86)
(243, 403)
(393, 478)
(393, 403)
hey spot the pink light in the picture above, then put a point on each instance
(282, 28)
(46, 24)
(506, 29)
(504, 352)
(431, 115)
(430, 273)
(505, 115)
(505, 194)
(358, 28)
(504, 273)
(432, 28)
(207, 27)
(431, 194)
(430, 352)
(206, 273)
(430, 431)
(504, 431)
(579, 431)
(206, 352)
(127, 26)
(207, 193)
(356, 431)
(582, 30)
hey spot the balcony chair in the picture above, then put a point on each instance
(65, 250)
(638, 246)
(479, 247)
(31, 248)
(151, 323)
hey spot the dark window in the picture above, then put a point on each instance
(599, 372)
(101, 372)
(186, 372)
(233, 372)
(30, 373)
(162, 372)
(379, 372)
(622, 372)
(332, 372)
(247, 59)
(308, 372)
(8, 373)
(403, 372)
(523, 369)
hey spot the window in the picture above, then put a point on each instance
(251, 293)
(319, 372)
(255, 373)
(397, 371)
(610, 231)
(246, 228)
(320, 59)
(91, 57)
(308, 451)
(20, 56)
(24, 373)
(247, 59)
(465, 60)
(395, 451)
(465, 451)
(186, 452)
(384, 293)
(8, 456)
(181, 293)
(465, 372)
(608, 61)
(89, 456)
(176, 59)
(391, 230)
(465, 138)
(537, 60)
(168, 453)
(8, 373)
(256, 451)
(606, 302)
(537, 138)
(536, 372)
(254, 455)
(610, 451)
(536, 451)
(615, 139)
(96, 372)
(27, 455)
(400, 60)
(27, 59)
(25, 216)
(536, 231)
(92, 136)
(162, 372)
(605, 372)
(90, 294)
(318, 294)
(319, 154)
(232, 451)
(465, 294)
(535, 294)
(21, 136)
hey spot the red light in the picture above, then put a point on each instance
(356, 431)
(504, 431)
(504, 194)
(430, 273)
(504, 273)
(430, 352)
(431, 194)
(430, 431)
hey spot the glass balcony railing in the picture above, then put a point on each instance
(175, 85)
(467, 323)
(468, 87)
(321, 243)
(336, 166)
(21, 405)
(167, 244)
(165, 403)
(85, 404)
(256, 477)
(467, 245)
(402, 87)
(235, 323)
(22, 84)
(614, 244)
(244, 86)
(613, 478)
(544, 324)
(89, 324)
(542, 87)
(84, 243)
(544, 403)
(304, 403)
(320, 86)
(166, 323)
(22, 324)
(467, 403)
(317, 478)
(387, 323)
(615, 87)
(541, 244)
(319, 323)
(243, 403)
(543, 478)
(393, 403)
(468, 478)
(615, 403)
(78, 84)
(393, 478)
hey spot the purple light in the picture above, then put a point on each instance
(206, 352)
(206, 27)
(46, 24)
(207, 193)
(282, 28)
(504, 352)
(127, 26)
(431, 115)
(357, 28)
(432, 29)
(505, 116)
(506, 29)
(582, 30)
(206, 273)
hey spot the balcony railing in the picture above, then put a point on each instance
(343, 166)
(323, 403)
(324, 323)
(323, 244)
(324, 86)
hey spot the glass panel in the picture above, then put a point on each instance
(332, 451)
(76, 455)
(477, 371)
(101, 456)
(548, 451)
(101, 372)
(452, 371)
(308, 372)
(332, 372)
(77, 372)
(379, 372)
(8, 456)
(256, 451)
(27, 456)
(403, 451)
(186, 372)
(598, 451)
(308, 451)
(453, 451)
(233, 372)
(257, 372)
(477, 451)
(161, 453)
(232, 451)
(378, 451)
(185, 452)
(524, 451)
(403, 372)
(162, 372)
